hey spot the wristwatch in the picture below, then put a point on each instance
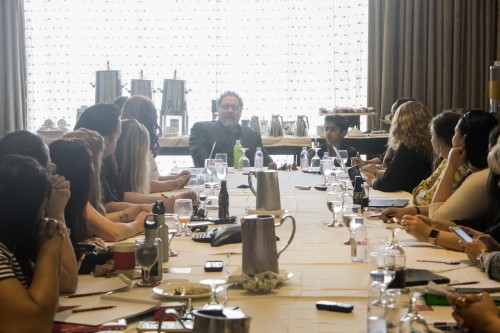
(480, 259)
(433, 235)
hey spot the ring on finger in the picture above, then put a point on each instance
(461, 301)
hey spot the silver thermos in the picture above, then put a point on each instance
(494, 88)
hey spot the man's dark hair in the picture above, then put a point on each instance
(230, 93)
(340, 121)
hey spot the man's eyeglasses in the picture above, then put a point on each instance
(227, 107)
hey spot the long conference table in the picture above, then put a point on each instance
(319, 261)
(284, 145)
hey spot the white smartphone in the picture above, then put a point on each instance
(462, 234)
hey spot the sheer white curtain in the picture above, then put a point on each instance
(285, 57)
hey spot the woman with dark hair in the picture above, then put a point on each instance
(105, 119)
(28, 144)
(470, 198)
(31, 247)
(75, 163)
(487, 221)
(144, 111)
(442, 131)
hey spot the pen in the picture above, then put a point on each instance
(462, 283)
(83, 295)
(93, 309)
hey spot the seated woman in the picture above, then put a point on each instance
(336, 128)
(384, 159)
(470, 145)
(105, 119)
(31, 247)
(94, 142)
(411, 140)
(442, 131)
(132, 157)
(75, 163)
(27, 144)
(436, 231)
(143, 109)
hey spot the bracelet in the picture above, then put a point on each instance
(480, 258)
(418, 209)
(123, 217)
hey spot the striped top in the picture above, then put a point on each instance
(9, 266)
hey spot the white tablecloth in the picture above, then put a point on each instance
(318, 259)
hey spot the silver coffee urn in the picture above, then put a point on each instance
(108, 85)
(173, 104)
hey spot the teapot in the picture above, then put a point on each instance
(301, 126)
(255, 124)
(275, 129)
(260, 255)
(268, 190)
(221, 320)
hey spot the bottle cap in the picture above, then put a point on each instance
(259, 149)
(151, 221)
(238, 142)
(159, 207)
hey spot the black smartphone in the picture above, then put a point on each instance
(214, 266)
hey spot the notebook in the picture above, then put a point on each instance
(388, 203)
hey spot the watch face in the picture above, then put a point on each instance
(434, 233)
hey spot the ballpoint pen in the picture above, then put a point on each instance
(93, 309)
(442, 262)
(462, 283)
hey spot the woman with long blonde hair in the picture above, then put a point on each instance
(132, 157)
(410, 139)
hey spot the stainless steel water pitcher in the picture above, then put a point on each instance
(260, 253)
(275, 128)
(255, 124)
(301, 126)
(268, 190)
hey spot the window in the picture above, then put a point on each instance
(283, 57)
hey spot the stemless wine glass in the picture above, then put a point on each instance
(146, 254)
(413, 321)
(384, 263)
(213, 304)
(244, 162)
(183, 208)
(326, 168)
(315, 161)
(349, 213)
(334, 203)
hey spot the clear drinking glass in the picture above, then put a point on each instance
(183, 208)
(334, 203)
(344, 156)
(244, 162)
(400, 257)
(349, 212)
(210, 169)
(213, 304)
(173, 230)
(326, 169)
(315, 161)
(413, 321)
(146, 254)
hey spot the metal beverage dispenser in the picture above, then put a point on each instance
(142, 87)
(494, 88)
(108, 85)
(173, 103)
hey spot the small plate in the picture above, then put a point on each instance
(187, 290)
(235, 277)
